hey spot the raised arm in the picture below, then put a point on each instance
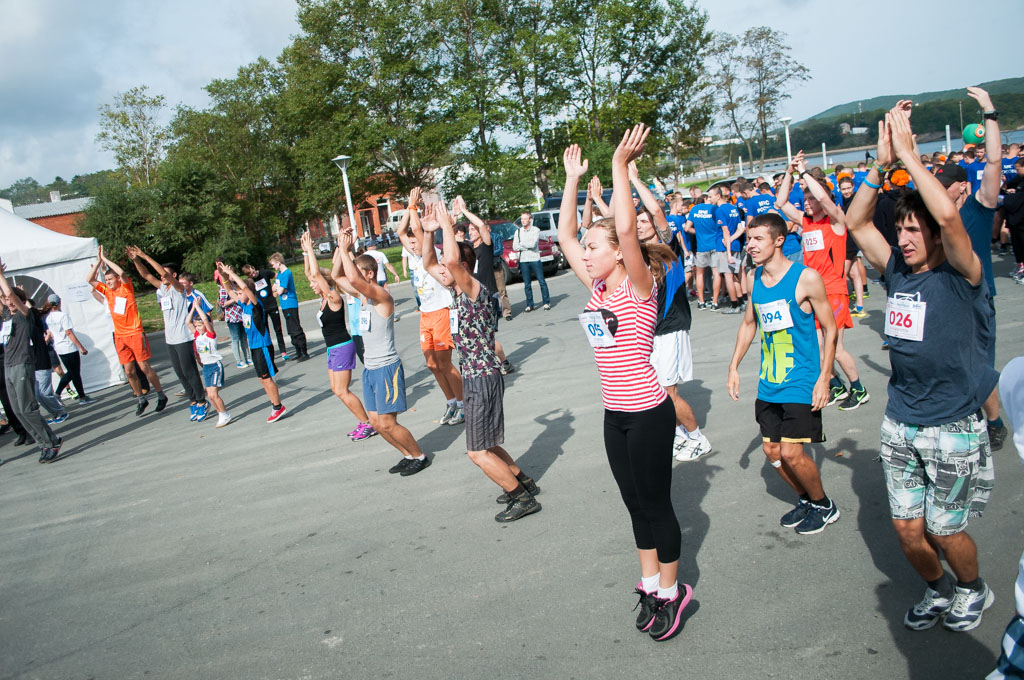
(313, 273)
(860, 215)
(95, 267)
(991, 177)
(629, 149)
(197, 310)
(603, 210)
(338, 272)
(171, 281)
(424, 230)
(244, 294)
(481, 226)
(652, 204)
(782, 199)
(5, 288)
(955, 241)
(113, 266)
(133, 254)
(588, 205)
(575, 167)
(822, 196)
(466, 282)
(371, 290)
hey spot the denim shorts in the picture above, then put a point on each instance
(213, 375)
(942, 473)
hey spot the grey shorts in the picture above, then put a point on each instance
(704, 258)
(722, 265)
(483, 407)
(943, 474)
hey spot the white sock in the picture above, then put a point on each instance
(681, 431)
(451, 402)
(459, 404)
(693, 434)
(650, 583)
(669, 593)
(420, 457)
(223, 414)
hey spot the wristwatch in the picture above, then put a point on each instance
(990, 115)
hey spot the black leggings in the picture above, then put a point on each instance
(1017, 241)
(639, 448)
(72, 373)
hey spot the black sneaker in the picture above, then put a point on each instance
(400, 465)
(415, 465)
(854, 399)
(44, 455)
(141, 408)
(53, 452)
(507, 367)
(817, 518)
(836, 393)
(996, 437)
(161, 403)
(528, 484)
(304, 357)
(668, 613)
(518, 507)
(22, 439)
(648, 605)
(796, 515)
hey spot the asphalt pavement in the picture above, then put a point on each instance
(160, 548)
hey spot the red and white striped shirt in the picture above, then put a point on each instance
(628, 380)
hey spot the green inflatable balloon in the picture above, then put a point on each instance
(974, 134)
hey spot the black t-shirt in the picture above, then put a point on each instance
(484, 270)
(18, 349)
(264, 281)
(673, 303)
(39, 347)
(885, 216)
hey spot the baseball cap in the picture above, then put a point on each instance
(53, 299)
(949, 173)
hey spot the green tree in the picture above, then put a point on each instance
(25, 192)
(770, 74)
(120, 216)
(131, 129)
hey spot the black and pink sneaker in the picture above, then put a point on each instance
(648, 606)
(668, 614)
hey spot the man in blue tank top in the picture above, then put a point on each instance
(793, 388)
(935, 450)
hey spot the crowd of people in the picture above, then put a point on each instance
(780, 257)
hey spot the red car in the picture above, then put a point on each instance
(549, 252)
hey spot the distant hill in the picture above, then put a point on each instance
(1005, 86)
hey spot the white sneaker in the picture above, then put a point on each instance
(691, 449)
(223, 419)
(682, 448)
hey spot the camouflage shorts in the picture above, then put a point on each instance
(943, 474)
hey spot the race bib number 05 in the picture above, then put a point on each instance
(596, 330)
(905, 319)
(775, 316)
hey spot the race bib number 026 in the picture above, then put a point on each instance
(905, 319)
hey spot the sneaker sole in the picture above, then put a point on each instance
(679, 614)
(924, 625)
(831, 520)
(532, 511)
(971, 625)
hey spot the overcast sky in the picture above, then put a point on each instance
(61, 59)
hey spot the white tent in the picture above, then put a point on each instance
(42, 262)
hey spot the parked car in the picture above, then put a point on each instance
(550, 254)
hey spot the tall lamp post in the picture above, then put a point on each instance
(785, 120)
(342, 163)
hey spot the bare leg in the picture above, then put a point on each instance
(151, 375)
(397, 435)
(440, 375)
(961, 553)
(213, 394)
(684, 414)
(802, 468)
(773, 451)
(991, 405)
(445, 366)
(133, 378)
(503, 454)
(270, 387)
(500, 351)
(920, 552)
(495, 468)
(700, 283)
(339, 385)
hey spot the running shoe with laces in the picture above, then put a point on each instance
(669, 612)
(817, 518)
(449, 411)
(996, 437)
(968, 606)
(400, 465)
(507, 367)
(547, 307)
(362, 431)
(458, 417)
(201, 412)
(223, 419)
(529, 484)
(732, 310)
(276, 414)
(836, 393)
(796, 515)
(695, 448)
(415, 465)
(143, 403)
(57, 420)
(648, 605)
(518, 507)
(161, 402)
(854, 399)
(858, 313)
(928, 611)
(193, 410)
(86, 400)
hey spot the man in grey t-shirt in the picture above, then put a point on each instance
(171, 296)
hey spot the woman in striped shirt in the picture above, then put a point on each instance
(639, 419)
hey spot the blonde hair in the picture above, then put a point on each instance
(657, 256)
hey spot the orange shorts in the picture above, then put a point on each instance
(435, 330)
(840, 311)
(132, 348)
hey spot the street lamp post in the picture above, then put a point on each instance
(342, 163)
(785, 120)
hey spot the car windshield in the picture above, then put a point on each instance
(506, 230)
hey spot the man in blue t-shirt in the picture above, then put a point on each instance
(1010, 156)
(727, 248)
(284, 290)
(935, 451)
(975, 166)
(701, 221)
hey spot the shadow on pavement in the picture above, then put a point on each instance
(690, 484)
(549, 444)
(699, 399)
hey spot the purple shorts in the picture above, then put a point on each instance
(341, 357)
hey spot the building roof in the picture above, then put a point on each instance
(53, 208)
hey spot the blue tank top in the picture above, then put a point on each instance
(790, 359)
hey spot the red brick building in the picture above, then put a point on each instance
(60, 216)
(371, 216)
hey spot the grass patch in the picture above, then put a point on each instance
(153, 319)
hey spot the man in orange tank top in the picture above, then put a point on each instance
(824, 246)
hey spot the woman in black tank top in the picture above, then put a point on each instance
(341, 350)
